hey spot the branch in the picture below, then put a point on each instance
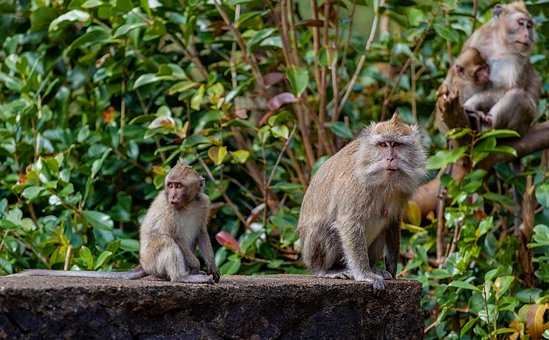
(536, 139)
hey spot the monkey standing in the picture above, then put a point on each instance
(469, 75)
(354, 203)
(506, 42)
(175, 222)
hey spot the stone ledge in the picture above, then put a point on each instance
(239, 307)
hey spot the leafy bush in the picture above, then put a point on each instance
(99, 98)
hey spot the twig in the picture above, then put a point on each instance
(249, 58)
(280, 156)
(362, 59)
(68, 256)
(225, 196)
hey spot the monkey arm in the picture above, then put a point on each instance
(206, 250)
(192, 262)
(355, 247)
(481, 101)
(392, 242)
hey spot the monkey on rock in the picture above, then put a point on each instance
(352, 208)
(172, 228)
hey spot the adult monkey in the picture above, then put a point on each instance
(506, 42)
(173, 226)
(511, 97)
(352, 209)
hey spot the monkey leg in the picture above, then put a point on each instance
(321, 249)
(515, 110)
(355, 248)
(375, 253)
(169, 262)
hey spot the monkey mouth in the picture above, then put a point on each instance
(392, 169)
(522, 43)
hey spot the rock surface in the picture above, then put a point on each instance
(239, 307)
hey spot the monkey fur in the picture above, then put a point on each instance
(352, 208)
(173, 226)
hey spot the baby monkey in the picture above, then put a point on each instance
(469, 76)
(173, 226)
(352, 208)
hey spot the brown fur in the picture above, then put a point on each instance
(168, 236)
(352, 208)
(515, 86)
(170, 232)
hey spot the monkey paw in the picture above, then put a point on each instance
(375, 279)
(385, 274)
(337, 274)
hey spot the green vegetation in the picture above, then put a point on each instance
(99, 97)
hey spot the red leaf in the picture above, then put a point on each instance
(272, 78)
(228, 241)
(281, 99)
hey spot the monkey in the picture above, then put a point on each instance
(506, 42)
(352, 208)
(469, 75)
(173, 225)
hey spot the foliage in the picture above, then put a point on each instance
(98, 98)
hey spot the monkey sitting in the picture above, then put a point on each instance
(175, 222)
(352, 208)
(468, 76)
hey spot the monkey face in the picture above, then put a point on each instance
(518, 32)
(481, 74)
(176, 193)
(391, 155)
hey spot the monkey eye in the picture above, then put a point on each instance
(382, 144)
(178, 185)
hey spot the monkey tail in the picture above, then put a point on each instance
(133, 274)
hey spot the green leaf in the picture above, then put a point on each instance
(94, 36)
(442, 158)
(500, 134)
(231, 267)
(464, 285)
(468, 326)
(340, 129)
(196, 100)
(542, 195)
(129, 244)
(280, 131)
(98, 219)
(446, 32)
(101, 259)
(502, 284)
(259, 36)
(86, 257)
(217, 154)
(126, 28)
(31, 193)
(182, 86)
(240, 156)
(298, 78)
(529, 295)
(71, 16)
(492, 196)
(148, 78)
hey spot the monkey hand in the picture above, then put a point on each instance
(385, 274)
(193, 263)
(375, 279)
(212, 270)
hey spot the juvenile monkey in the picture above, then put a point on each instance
(469, 75)
(506, 42)
(175, 222)
(354, 203)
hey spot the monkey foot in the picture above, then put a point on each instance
(336, 274)
(385, 274)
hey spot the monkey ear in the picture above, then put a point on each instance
(202, 182)
(459, 69)
(394, 118)
(498, 9)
